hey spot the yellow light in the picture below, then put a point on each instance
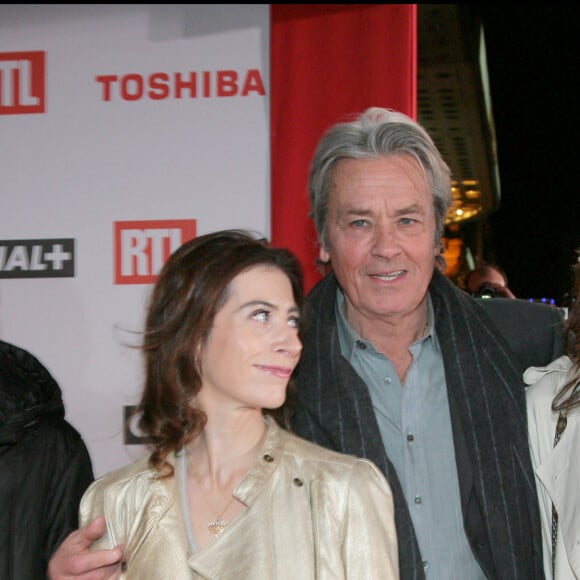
(472, 193)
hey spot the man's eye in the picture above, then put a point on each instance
(359, 223)
(407, 221)
(261, 315)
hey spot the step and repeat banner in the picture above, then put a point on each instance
(126, 130)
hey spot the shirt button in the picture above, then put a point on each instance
(361, 345)
(387, 380)
(268, 458)
(410, 437)
(425, 564)
(418, 500)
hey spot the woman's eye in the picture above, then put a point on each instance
(261, 316)
(294, 321)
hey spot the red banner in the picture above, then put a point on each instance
(328, 62)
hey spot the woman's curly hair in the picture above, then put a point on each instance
(192, 287)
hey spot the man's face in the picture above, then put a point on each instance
(381, 236)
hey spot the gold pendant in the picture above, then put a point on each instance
(217, 526)
(561, 424)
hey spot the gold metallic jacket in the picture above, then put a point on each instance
(312, 514)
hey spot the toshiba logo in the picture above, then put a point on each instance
(142, 247)
(54, 258)
(22, 83)
(189, 85)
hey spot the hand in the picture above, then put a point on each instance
(73, 560)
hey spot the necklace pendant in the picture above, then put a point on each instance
(561, 425)
(216, 527)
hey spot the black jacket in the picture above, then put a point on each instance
(44, 467)
(485, 349)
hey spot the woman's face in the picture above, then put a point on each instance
(253, 345)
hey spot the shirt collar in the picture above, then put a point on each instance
(349, 337)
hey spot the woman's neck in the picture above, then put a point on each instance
(226, 450)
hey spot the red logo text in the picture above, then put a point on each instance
(22, 83)
(142, 247)
(191, 85)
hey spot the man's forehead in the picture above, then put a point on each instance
(401, 173)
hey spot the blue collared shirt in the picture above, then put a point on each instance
(415, 427)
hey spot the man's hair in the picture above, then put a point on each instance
(373, 134)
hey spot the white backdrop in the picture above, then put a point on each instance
(122, 150)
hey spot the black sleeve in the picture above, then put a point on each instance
(71, 476)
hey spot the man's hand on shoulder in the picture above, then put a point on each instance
(73, 560)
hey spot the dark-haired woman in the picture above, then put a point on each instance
(227, 492)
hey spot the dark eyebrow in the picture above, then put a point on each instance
(252, 303)
(257, 303)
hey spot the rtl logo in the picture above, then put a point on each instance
(142, 247)
(22, 83)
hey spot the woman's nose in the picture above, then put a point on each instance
(289, 341)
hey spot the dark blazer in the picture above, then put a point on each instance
(533, 331)
(44, 466)
(483, 372)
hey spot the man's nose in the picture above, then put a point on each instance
(385, 241)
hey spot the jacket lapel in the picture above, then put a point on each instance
(560, 476)
(487, 404)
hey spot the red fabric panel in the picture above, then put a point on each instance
(329, 61)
